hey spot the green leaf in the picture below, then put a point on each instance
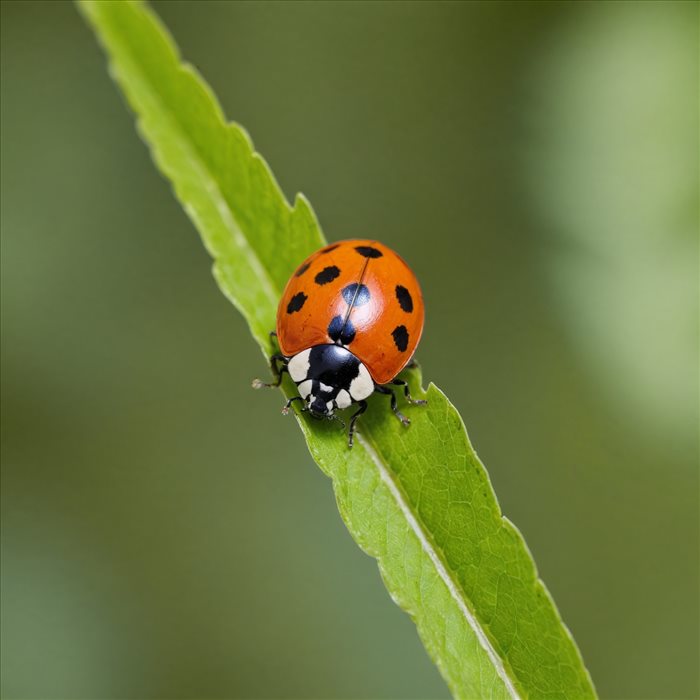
(418, 499)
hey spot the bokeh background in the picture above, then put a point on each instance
(164, 531)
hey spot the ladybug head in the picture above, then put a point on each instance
(329, 377)
(318, 405)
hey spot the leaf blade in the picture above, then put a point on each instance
(446, 562)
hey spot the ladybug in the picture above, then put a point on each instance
(348, 322)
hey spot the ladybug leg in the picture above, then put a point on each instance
(353, 420)
(273, 339)
(285, 409)
(394, 406)
(407, 393)
(276, 371)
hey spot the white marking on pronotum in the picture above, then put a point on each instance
(442, 571)
(299, 366)
(305, 389)
(343, 399)
(363, 385)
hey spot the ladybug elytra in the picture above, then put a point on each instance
(348, 322)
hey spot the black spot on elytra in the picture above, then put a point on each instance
(330, 248)
(400, 337)
(357, 293)
(404, 297)
(368, 251)
(296, 302)
(302, 269)
(339, 332)
(328, 274)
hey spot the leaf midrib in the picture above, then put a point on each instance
(428, 546)
(200, 163)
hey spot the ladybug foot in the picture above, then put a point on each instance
(407, 393)
(394, 405)
(278, 366)
(404, 420)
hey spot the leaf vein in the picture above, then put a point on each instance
(452, 586)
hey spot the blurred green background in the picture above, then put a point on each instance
(164, 531)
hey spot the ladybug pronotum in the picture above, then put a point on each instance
(348, 322)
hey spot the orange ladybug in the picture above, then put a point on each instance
(348, 322)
